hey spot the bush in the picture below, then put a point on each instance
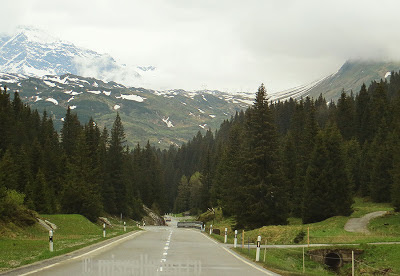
(300, 237)
(12, 208)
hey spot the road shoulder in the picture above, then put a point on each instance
(77, 254)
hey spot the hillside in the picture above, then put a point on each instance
(163, 117)
(349, 77)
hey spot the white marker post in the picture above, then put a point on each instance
(235, 240)
(104, 230)
(210, 229)
(226, 235)
(258, 248)
(51, 240)
(124, 226)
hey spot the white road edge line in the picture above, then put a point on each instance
(240, 258)
(246, 262)
(80, 256)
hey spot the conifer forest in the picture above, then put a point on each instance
(303, 158)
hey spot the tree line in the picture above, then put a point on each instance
(305, 158)
(82, 170)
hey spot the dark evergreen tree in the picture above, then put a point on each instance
(264, 201)
(327, 190)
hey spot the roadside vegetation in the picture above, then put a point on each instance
(24, 245)
(288, 261)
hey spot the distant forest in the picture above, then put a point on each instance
(305, 158)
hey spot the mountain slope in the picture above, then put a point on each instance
(349, 77)
(163, 117)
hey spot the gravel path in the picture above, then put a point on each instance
(360, 224)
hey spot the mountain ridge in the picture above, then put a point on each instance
(350, 77)
(165, 118)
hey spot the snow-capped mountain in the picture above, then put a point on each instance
(33, 52)
(163, 117)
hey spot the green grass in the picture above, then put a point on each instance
(363, 206)
(20, 246)
(286, 261)
(331, 230)
(377, 258)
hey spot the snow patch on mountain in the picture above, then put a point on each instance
(167, 122)
(94, 92)
(117, 106)
(54, 101)
(72, 93)
(48, 83)
(135, 98)
(388, 74)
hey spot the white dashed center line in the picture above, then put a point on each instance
(165, 253)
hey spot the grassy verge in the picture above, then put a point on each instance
(285, 261)
(24, 246)
(376, 260)
(384, 229)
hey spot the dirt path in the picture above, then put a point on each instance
(360, 224)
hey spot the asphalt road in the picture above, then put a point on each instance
(361, 224)
(160, 250)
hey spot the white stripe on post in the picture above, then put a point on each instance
(258, 248)
(210, 229)
(51, 240)
(235, 241)
(226, 235)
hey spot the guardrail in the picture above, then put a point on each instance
(190, 224)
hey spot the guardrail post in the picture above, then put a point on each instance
(104, 230)
(258, 248)
(124, 226)
(226, 235)
(235, 240)
(51, 240)
(210, 229)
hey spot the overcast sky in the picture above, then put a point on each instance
(227, 45)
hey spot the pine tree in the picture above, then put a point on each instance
(264, 201)
(115, 170)
(70, 132)
(42, 194)
(327, 189)
(382, 164)
(345, 115)
(182, 199)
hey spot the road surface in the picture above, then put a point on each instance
(361, 224)
(160, 250)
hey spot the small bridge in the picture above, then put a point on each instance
(334, 258)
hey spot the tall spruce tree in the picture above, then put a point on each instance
(264, 194)
(116, 152)
(327, 189)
